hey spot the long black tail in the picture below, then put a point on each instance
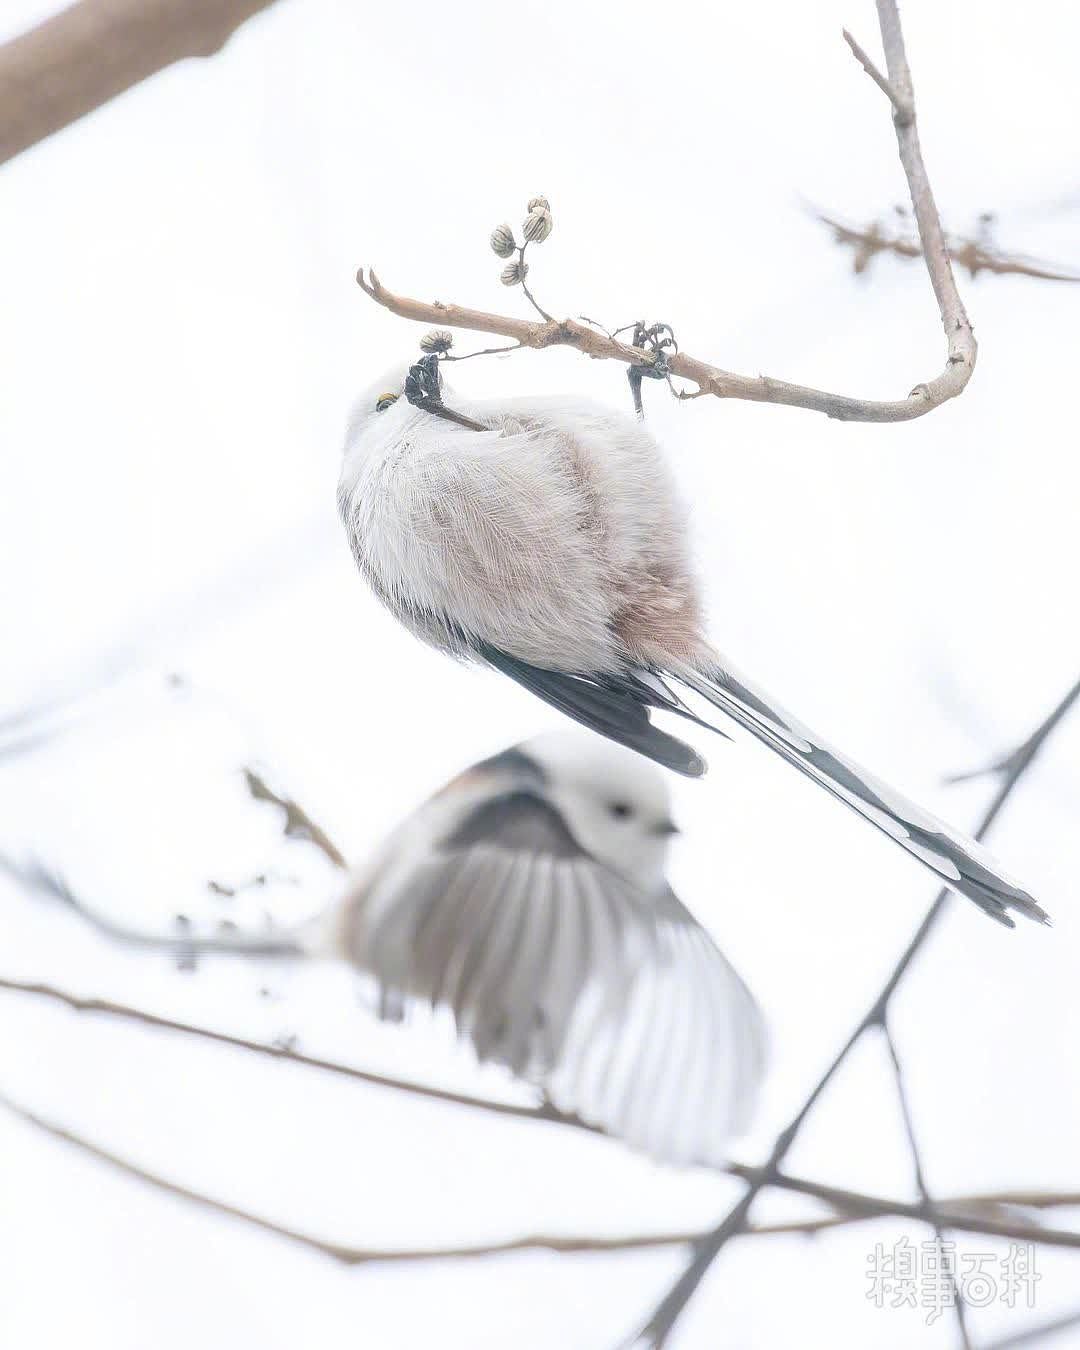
(956, 860)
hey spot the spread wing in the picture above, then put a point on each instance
(617, 1004)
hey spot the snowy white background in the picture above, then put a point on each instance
(181, 340)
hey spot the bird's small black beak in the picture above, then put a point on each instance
(666, 827)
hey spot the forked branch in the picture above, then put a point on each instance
(711, 379)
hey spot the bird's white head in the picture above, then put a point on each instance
(379, 404)
(615, 802)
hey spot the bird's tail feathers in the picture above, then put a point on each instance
(956, 860)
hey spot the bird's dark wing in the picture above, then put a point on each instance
(615, 706)
(616, 1003)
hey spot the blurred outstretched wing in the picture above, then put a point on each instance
(617, 1004)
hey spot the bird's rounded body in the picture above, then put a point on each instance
(557, 536)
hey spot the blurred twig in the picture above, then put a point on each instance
(991, 1213)
(183, 943)
(106, 1008)
(976, 255)
(1021, 756)
(709, 379)
(347, 1255)
(562, 1244)
(84, 56)
(915, 1150)
(298, 824)
(656, 1330)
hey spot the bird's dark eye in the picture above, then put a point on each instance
(384, 401)
(621, 810)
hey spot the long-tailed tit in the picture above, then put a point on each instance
(529, 898)
(552, 546)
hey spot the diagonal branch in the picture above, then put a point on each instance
(104, 1007)
(89, 53)
(710, 379)
(944, 1256)
(561, 1244)
(297, 824)
(656, 1330)
(991, 1213)
(346, 1255)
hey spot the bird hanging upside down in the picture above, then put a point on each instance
(544, 537)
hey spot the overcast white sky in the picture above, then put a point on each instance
(182, 338)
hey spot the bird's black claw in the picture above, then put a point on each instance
(422, 382)
(659, 341)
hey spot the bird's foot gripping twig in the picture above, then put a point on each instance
(658, 340)
(423, 389)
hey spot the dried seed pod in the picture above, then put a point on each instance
(513, 274)
(539, 204)
(537, 225)
(502, 241)
(438, 340)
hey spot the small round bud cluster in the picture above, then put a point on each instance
(537, 225)
(513, 274)
(502, 241)
(535, 230)
(438, 341)
(538, 222)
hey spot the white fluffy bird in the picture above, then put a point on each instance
(529, 898)
(552, 546)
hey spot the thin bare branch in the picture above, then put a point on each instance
(106, 1008)
(867, 241)
(84, 56)
(973, 1213)
(182, 944)
(347, 1255)
(298, 824)
(710, 379)
(957, 1298)
(967, 1217)
(656, 1330)
(903, 110)
(1021, 756)
(350, 1255)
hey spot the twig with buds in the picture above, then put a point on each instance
(547, 331)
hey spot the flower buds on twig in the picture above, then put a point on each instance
(438, 340)
(513, 274)
(502, 241)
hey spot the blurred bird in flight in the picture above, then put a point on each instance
(529, 898)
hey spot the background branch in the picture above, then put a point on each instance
(920, 1182)
(297, 824)
(990, 1213)
(976, 255)
(106, 1008)
(84, 56)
